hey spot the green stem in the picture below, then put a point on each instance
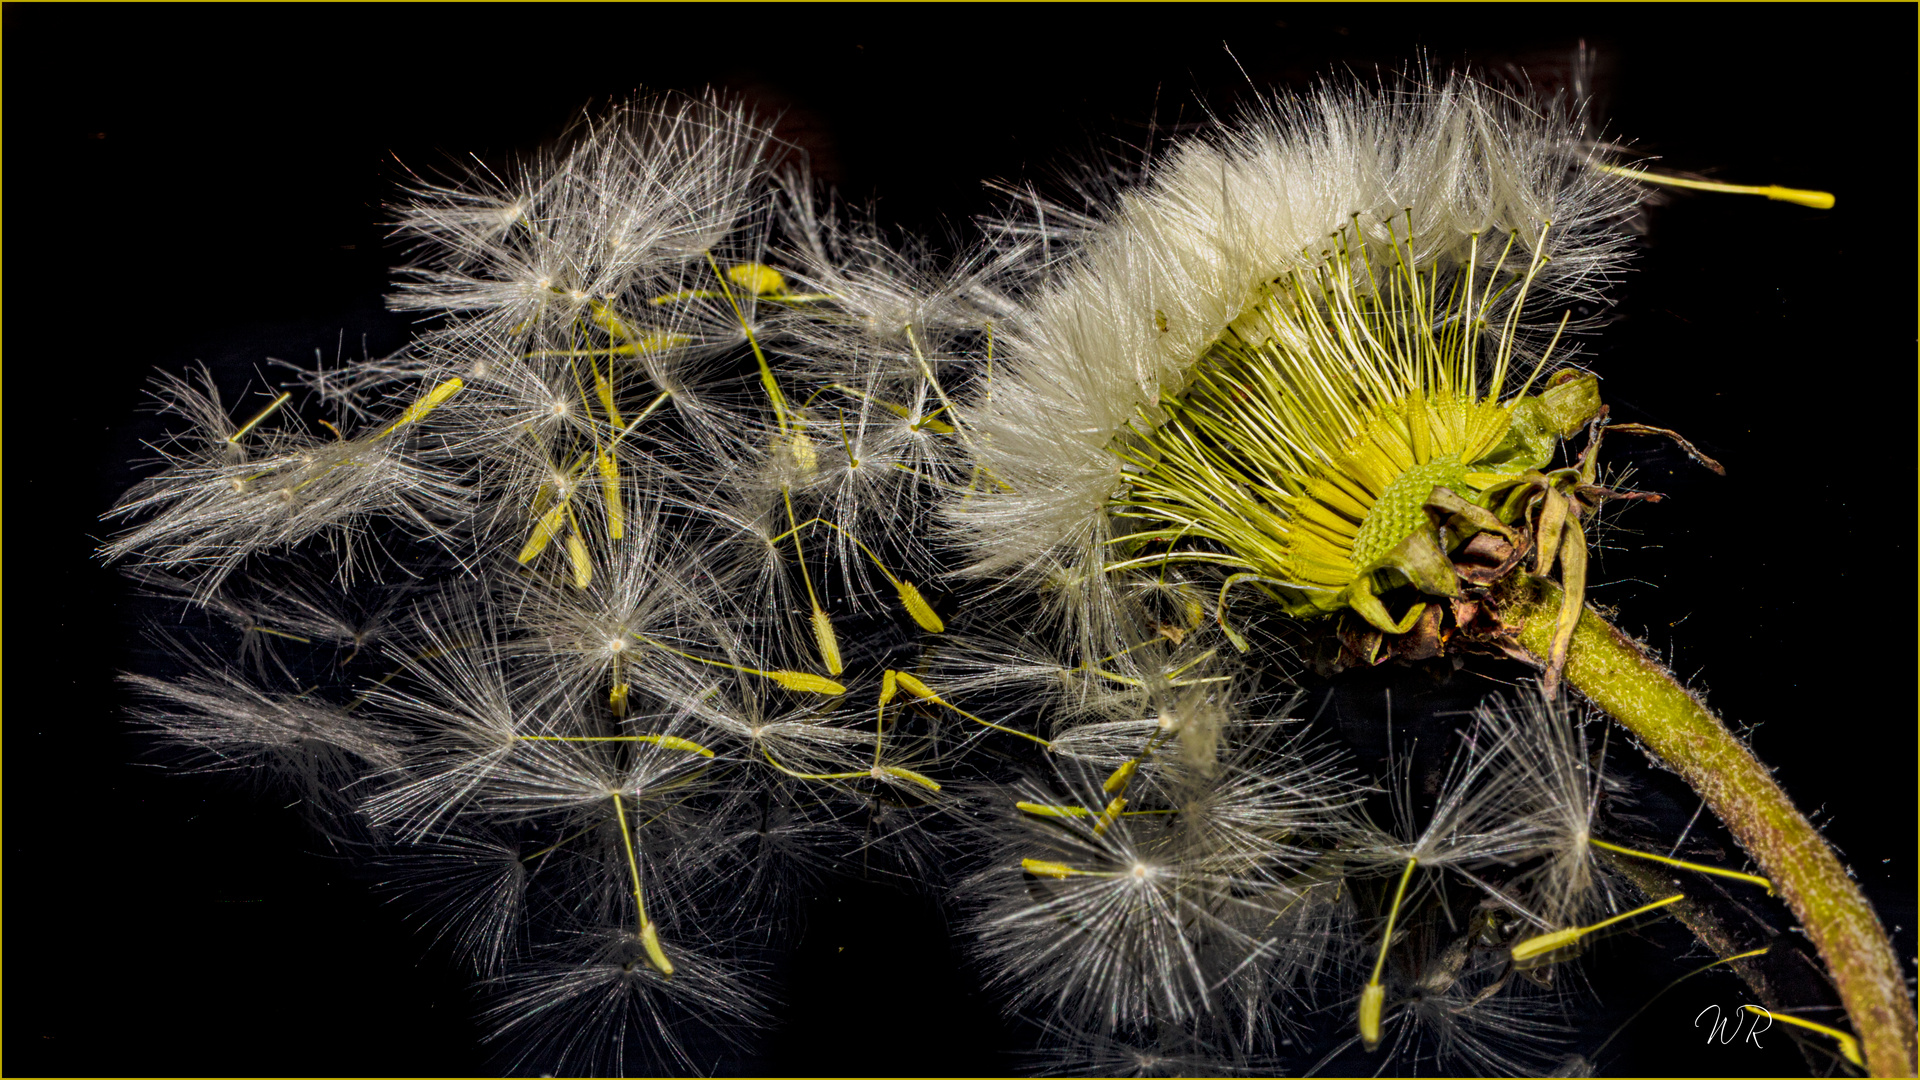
(1616, 674)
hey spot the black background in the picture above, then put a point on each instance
(207, 184)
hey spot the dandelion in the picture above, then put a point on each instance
(1460, 1009)
(1140, 891)
(644, 189)
(1108, 922)
(712, 544)
(881, 317)
(1315, 305)
(606, 1010)
(237, 725)
(739, 710)
(1558, 781)
(470, 889)
(1473, 823)
(1322, 355)
(232, 490)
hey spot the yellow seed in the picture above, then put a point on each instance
(675, 742)
(757, 278)
(1046, 810)
(610, 487)
(918, 607)
(607, 319)
(829, 644)
(1819, 200)
(1044, 868)
(659, 342)
(801, 680)
(1121, 777)
(1560, 939)
(1109, 815)
(804, 457)
(605, 389)
(582, 565)
(1546, 943)
(434, 399)
(889, 685)
(915, 687)
(909, 774)
(650, 940)
(1849, 1046)
(543, 533)
(1196, 612)
(618, 699)
(1370, 1001)
(271, 408)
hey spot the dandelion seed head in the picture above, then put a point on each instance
(1237, 333)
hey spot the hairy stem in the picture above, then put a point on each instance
(1616, 674)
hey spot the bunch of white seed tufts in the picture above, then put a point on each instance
(685, 456)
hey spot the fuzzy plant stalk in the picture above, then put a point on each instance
(1612, 669)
